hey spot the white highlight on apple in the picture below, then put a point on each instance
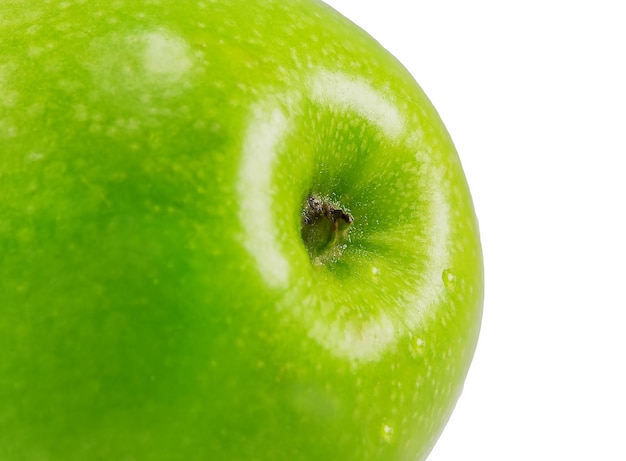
(166, 55)
(366, 339)
(143, 65)
(344, 93)
(254, 187)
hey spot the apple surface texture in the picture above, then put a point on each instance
(229, 230)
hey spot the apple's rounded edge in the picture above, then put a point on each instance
(469, 281)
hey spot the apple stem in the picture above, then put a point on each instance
(325, 226)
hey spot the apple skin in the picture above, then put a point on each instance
(157, 300)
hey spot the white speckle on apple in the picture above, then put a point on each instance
(387, 433)
(419, 344)
(8, 129)
(34, 157)
(375, 270)
(8, 97)
(81, 113)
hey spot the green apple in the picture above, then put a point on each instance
(229, 230)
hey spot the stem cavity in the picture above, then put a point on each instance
(325, 228)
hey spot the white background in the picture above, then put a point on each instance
(534, 95)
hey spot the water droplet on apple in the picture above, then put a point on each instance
(386, 433)
(419, 346)
(449, 279)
